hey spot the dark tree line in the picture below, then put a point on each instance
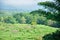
(40, 16)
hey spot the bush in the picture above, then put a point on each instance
(53, 36)
(33, 23)
(56, 35)
(52, 23)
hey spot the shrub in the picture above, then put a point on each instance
(53, 36)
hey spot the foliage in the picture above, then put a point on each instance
(23, 20)
(54, 7)
(24, 26)
(34, 17)
(10, 20)
(24, 31)
(53, 36)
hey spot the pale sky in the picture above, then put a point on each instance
(20, 2)
(23, 4)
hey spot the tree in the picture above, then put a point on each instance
(29, 18)
(1, 19)
(10, 19)
(39, 11)
(34, 19)
(23, 20)
(52, 7)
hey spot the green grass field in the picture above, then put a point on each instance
(24, 31)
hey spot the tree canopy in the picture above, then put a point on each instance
(53, 6)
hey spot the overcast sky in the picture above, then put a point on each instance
(19, 3)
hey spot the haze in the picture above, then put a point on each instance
(20, 4)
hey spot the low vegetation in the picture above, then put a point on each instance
(24, 31)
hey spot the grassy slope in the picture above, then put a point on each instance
(24, 31)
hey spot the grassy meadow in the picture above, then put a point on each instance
(24, 31)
